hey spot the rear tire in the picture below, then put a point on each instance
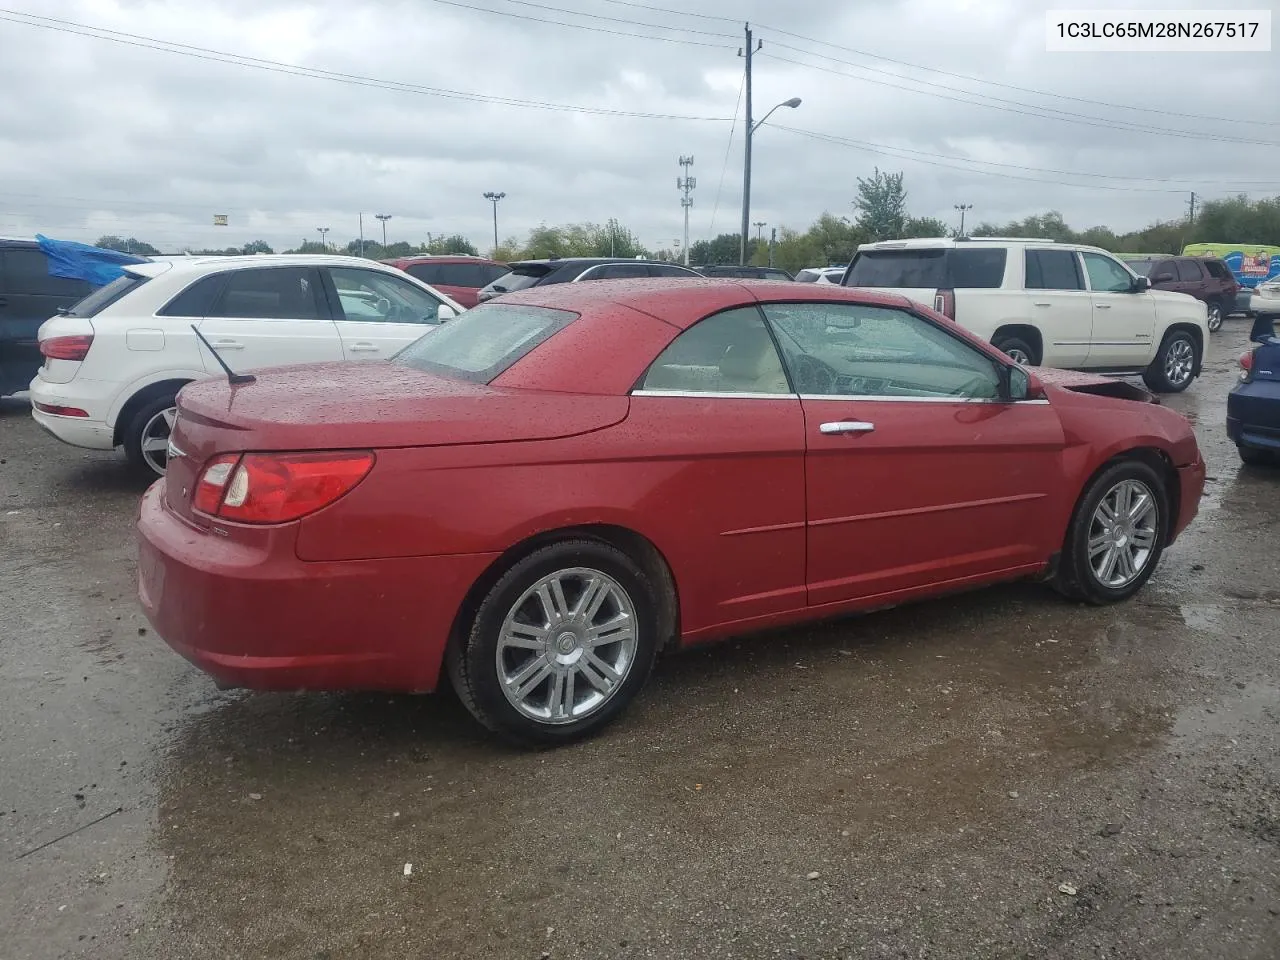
(1017, 350)
(1215, 312)
(560, 645)
(1112, 549)
(143, 435)
(1175, 363)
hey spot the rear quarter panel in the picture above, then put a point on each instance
(983, 312)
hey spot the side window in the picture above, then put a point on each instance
(195, 301)
(850, 350)
(728, 352)
(1163, 272)
(426, 272)
(490, 272)
(660, 271)
(1217, 269)
(1189, 270)
(377, 297)
(1106, 275)
(272, 293)
(1053, 270)
(26, 271)
(618, 271)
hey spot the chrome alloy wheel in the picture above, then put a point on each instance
(1179, 362)
(1122, 533)
(567, 645)
(1018, 355)
(155, 439)
(1213, 319)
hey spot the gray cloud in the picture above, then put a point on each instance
(108, 137)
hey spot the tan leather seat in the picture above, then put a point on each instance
(752, 366)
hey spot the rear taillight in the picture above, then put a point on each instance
(1246, 365)
(67, 348)
(59, 411)
(944, 301)
(277, 487)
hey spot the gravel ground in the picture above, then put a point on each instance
(996, 775)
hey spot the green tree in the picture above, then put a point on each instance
(256, 246)
(130, 245)
(454, 243)
(723, 249)
(924, 227)
(882, 205)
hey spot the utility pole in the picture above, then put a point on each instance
(686, 183)
(324, 244)
(362, 234)
(493, 197)
(962, 207)
(1192, 217)
(759, 225)
(773, 239)
(384, 217)
(747, 51)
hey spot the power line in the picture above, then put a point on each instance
(595, 16)
(997, 83)
(892, 152)
(680, 13)
(315, 73)
(715, 207)
(1040, 113)
(1016, 166)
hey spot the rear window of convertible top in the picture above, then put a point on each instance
(484, 341)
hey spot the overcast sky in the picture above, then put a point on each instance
(110, 137)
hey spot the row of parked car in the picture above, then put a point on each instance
(107, 367)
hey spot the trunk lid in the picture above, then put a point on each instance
(371, 405)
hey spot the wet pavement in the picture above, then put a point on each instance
(997, 775)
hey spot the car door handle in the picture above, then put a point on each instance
(363, 347)
(847, 426)
(1102, 306)
(1041, 303)
(228, 344)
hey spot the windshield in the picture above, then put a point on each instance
(103, 297)
(485, 341)
(936, 268)
(519, 278)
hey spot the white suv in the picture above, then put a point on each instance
(115, 361)
(1047, 303)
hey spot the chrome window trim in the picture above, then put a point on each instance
(723, 395)
(867, 398)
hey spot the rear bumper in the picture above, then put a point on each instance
(248, 612)
(90, 396)
(1253, 414)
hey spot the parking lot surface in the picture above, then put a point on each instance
(1001, 774)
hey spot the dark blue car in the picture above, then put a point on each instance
(1253, 407)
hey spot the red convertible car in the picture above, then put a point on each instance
(542, 495)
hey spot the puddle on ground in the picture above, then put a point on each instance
(1203, 616)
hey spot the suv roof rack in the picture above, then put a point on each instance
(1012, 239)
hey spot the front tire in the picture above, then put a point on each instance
(560, 645)
(1117, 535)
(1253, 457)
(1174, 366)
(146, 437)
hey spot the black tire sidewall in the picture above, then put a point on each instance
(1156, 378)
(1076, 549)
(480, 647)
(1005, 343)
(133, 432)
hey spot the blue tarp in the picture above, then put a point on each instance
(80, 261)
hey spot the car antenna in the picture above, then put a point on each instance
(232, 376)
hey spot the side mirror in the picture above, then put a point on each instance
(1019, 383)
(445, 312)
(1158, 278)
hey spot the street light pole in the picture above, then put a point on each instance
(384, 217)
(324, 244)
(750, 128)
(493, 197)
(962, 207)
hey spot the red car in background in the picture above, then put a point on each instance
(539, 497)
(459, 277)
